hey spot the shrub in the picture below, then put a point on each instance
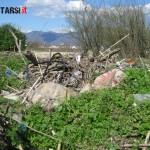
(7, 42)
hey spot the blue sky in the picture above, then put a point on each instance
(47, 15)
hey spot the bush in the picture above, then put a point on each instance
(7, 41)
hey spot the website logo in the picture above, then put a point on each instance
(13, 10)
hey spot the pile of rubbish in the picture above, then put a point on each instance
(60, 77)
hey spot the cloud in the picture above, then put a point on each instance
(36, 3)
(146, 9)
(26, 31)
(77, 5)
(55, 8)
(121, 9)
(62, 29)
(46, 12)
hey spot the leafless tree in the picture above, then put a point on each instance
(97, 27)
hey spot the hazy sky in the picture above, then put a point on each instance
(47, 15)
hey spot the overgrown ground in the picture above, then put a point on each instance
(15, 63)
(99, 119)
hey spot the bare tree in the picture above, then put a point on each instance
(97, 27)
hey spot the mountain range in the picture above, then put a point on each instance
(52, 38)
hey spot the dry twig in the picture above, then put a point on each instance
(12, 88)
(146, 140)
(31, 89)
(18, 45)
(117, 43)
(38, 64)
(37, 130)
(132, 145)
(59, 146)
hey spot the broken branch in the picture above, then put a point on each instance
(31, 89)
(109, 54)
(132, 145)
(18, 45)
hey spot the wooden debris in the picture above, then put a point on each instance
(59, 146)
(51, 137)
(12, 88)
(109, 54)
(38, 63)
(133, 145)
(30, 56)
(146, 140)
(147, 137)
(56, 68)
(18, 44)
(116, 43)
(31, 89)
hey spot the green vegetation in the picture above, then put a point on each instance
(15, 63)
(87, 121)
(7, 41)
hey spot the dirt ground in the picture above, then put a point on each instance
(44, 53)
(47, 54)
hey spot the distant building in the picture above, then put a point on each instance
(53, 46)
(62, 44)
(42, 46)
(73, 47)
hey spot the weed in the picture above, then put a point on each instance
(15, 63)
(89, 120)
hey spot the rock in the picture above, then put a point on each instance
(86, 88)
